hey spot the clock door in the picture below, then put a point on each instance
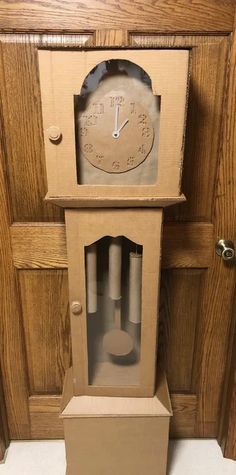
(114, 258)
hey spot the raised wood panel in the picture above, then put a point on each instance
(44, 297)
(12, 355)
(202, 139)
(45, 421)
(179, 305)
(44, 245)
(162, 16)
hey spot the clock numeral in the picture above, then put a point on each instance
(99, 158)
(98, 108)
(146, 132)
(83, 131)
(141, 149)
(116, 101)
(142, 119)
(132, 108)
(130, 161)
(116, 165)
(89, 120)
(88, 147)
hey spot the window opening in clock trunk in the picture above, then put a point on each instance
(114, 311)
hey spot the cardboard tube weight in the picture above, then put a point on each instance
(91, 273)
(115, 258)
(135, 287)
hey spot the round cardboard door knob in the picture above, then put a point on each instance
(76, 308)
(54, 133)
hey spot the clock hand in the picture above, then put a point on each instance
(122, 125)
(116, 133)
(116, 118)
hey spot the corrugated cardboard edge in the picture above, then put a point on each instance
(96, 406)
(134, 202)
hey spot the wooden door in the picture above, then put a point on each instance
(197, 288)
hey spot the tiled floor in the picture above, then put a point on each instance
(186, 457)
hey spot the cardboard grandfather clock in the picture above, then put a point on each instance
(114, 126)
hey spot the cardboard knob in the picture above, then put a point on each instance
(76, 308)
(54, 133)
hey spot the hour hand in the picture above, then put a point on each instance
(116, 132)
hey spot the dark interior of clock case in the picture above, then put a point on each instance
(115, 79)
(114, 299)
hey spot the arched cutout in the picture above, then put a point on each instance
(114, 67)
(129, 154)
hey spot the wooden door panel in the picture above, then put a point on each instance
(44, 299)
(193, 317)
(179, 310)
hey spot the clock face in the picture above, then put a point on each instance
(115, 132)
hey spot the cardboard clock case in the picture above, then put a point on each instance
(105, 435)
(114, 125)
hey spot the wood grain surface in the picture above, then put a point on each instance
(179, 302)
(43, 246)
(111, 38)
(45, 310)
(12, 355)
(184, 408)
(159, 15)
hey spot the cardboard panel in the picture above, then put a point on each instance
(124, 435)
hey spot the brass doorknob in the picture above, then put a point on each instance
(225, 249)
